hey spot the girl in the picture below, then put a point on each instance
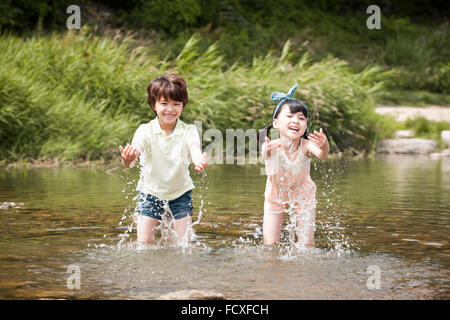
(287, 162)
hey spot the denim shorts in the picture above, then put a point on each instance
(153, 207)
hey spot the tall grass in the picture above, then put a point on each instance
(413, 39)
(65, 96)
(426, 129)
(78, 96)
(340, 101)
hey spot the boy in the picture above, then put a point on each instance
(163, 146)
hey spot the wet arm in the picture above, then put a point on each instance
(198, 158)
(318, 145)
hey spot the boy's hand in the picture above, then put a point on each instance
(201, 163)
(271, 146)
(129, 154)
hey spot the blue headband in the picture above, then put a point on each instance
(277, 96)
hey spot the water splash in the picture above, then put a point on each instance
(128, 212)
(166, 235)
(330, 234)
(167, 228)
(332, 211)
(190, 239)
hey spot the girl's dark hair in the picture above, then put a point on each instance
(294, 107)
(171, 87)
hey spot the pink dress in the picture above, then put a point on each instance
(289, 183)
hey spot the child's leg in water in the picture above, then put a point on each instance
(305, 225)
(182, 229)
(272, 227)
(146, 228)
(273, 221)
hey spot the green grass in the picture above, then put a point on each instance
(413, 41)
(427, 129)
(64, 97)
(78, 96)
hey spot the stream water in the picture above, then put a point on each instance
(389, 214)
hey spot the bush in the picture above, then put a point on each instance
(78, 96)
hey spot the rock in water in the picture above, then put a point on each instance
(404, 134)
(441, 155)
(445, 136)
(9, 205)
(192, 295)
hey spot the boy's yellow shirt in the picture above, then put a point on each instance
(165, 159)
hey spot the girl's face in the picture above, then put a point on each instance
(290, 125)
(169, 110)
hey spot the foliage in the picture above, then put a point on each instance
(425, 128)
(418, 52)
(64, 97)
(79, 95)
(413, 39)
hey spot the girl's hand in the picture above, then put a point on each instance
(129, 154)
(320, 141)
(201, 163)
(271, 147)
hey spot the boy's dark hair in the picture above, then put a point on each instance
(294, 107)
(171, 87)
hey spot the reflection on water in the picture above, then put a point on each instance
(388, 212)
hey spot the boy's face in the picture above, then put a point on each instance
(168, 111)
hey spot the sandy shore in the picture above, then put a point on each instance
(402, 113)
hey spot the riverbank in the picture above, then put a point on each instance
(115, 164)
(107, 165)
(402, 113)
